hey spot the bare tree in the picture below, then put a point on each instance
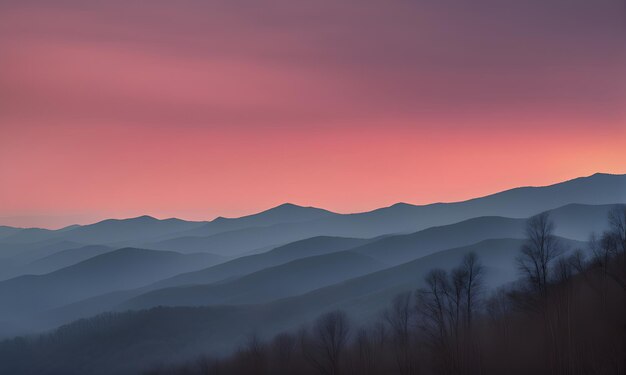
(598, 262)
(206, 365)
(609, 251)
(446, 307)
(284, 348)
(379, 334)
(499, 310)
(330, 337)
(253, 356)
(432, 304)
(562, 270)
(434, 310)
(617, 223)
(474, 272)
(455, 296)
(614, 243)
(469, 275)
(399, 317)
(365, 347)
(578, 261)
(538, 252)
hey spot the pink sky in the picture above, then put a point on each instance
(196, 109)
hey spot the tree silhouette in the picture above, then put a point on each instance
(538, 252)
(328, 342)
(399, 317)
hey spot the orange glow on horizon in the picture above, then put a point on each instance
(196, 110)
(198, 173)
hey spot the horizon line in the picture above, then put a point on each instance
(162, 218)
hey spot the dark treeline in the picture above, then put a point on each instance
(566, 315)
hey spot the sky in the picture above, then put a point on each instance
(197, 109)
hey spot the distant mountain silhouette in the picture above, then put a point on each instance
(403, 248)
(24, 253)
(30, 251)
(29, 235)
(125, 268)
(252, 263)
(108, 231)
(391, 250)
(38, 262)
(64, 258)
(136, 229)
(229, 270)
(140, 230)
(364, 297)
(293, 278)
(238, 236)
(598, 189)
(287, 223)
(398, 249)
(8, 231)
(285, 213)
(574, 221)
(275, 270)
(577, 221)
(159, 334)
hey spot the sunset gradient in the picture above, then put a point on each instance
(195, 109)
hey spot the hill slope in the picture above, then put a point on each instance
(129, 342)
(293, 278)
(64, 258)
(125, 268)
(599, 189)
(252, 263)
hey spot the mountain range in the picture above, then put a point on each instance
(180, 287)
